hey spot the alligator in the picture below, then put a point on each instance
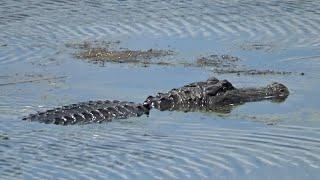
(209, 95)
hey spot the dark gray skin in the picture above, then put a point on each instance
(210, 95)
(214, 95)
(89, 112)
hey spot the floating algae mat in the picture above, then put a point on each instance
(123, 56)
(103, 52)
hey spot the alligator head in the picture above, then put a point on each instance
(212, 94)
(276, 92)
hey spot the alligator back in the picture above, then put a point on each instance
(191, 96)
(89, 112)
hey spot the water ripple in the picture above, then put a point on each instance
(194, 18)
(120, 151)
(166, 146)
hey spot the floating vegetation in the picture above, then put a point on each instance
(227, 64)
(253, 72)
(121, 56)
(109, 51)
(217, 61)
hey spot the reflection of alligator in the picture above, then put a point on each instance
(210, 95)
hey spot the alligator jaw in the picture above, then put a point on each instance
(275, 92)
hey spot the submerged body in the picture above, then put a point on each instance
(207, 95)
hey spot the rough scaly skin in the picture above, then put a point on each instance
(89, 112)
(214, 94)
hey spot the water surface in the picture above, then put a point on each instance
(278, 35)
